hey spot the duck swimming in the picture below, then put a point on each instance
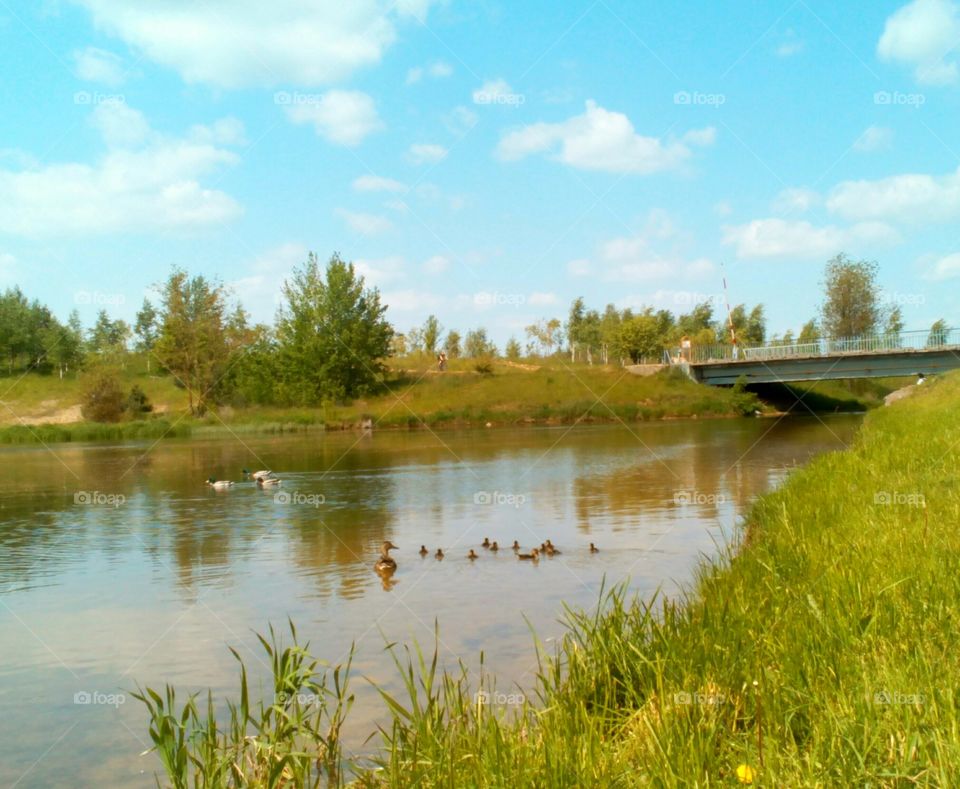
(423, 550)
(268, 482)
(485, 543)
(594, 548)
(385, 564)
(219, 484)
(533, 555)
(516, 546)
(257, 475)
(494, 546)
(472, 555)
(439, 553)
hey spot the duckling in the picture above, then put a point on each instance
(548, 544)
(485, 543)
(423, 550)
(594, 548)
(439, 553)
(268, 482)
(219, 484)
(494, 546)
(257, 475)
(551, 551)
(534, 555)
(385, 564)
(543, 547)
(472, 555)
(516, 546)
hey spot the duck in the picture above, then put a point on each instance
(472, 555)
(494, 546)
(439, 554)
(516, 546)
(385, 564)
(269, 482)
(423, 550)
(594, 548)
(485, 543)
(533, 555)
(219, 484)
(257, 475)
(551, 551)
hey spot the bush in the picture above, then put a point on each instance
(103, 401)
(484, 367)
(137, 402)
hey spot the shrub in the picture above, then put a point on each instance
(103, 401)
(137, 402)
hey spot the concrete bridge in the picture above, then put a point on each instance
(878, 356)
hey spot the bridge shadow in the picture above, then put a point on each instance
(827, 396)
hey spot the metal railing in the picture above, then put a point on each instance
(877, 343)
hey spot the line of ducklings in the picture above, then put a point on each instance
(387, 564)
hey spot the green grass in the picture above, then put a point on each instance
(824, 652)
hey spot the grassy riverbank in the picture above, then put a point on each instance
(824, 653)
(43, 408)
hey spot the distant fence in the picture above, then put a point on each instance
(878, 343)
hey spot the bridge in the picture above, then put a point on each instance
(910, 353)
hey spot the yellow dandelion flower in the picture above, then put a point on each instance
(745, 774)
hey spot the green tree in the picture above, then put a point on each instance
(64, 345)
(512, 349)
(546, 334)
(851, 306)
(641, 338)
(476, 344)
(332, 333)
(108, 338)
(193, 343)
(938, 333)
(431, 334)
(809, 332)
(146, 330)
(451, 345)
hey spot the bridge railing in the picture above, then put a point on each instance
(925, 340)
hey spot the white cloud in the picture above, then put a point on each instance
(437, 70)
(789, 45)
(911, 197)
(236, 43)
(723, 208)
(412, 300)
(538, 299)
(98, 65)
(600, 140)
(261, 290)
(365, 224)
(344, 117)
(376, 183)
(947, 267)
(874, 138)
(796, 200)
(924, 35)
(145, 182)
(497, 91)
(225, 131)
(382, 270)
(436, 264)
(781, 238)
(426, 153)
(460, 120)
(581, 267)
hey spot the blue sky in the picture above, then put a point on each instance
(486, 162)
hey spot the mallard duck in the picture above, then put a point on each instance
(494, 546)
(439, 553)
(516, 546)
(485, 543)
(534, 555)
(268, 482)
(257, 475)
(423, 550)
(219, 484)
(472, 555)
(386, 564)
(594, 548)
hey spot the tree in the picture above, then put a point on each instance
(938, 333)
(431, 334)
(451, 345)
(332, 333)
(477, 344)
(894, 323)
(108, 338)
(512, 349)
(64, 344)
(103, 401)
(546, 334)
(640, 337)
(809, 332)
(193, 344)
(146, 329)
(755, 329)
(851, 306)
